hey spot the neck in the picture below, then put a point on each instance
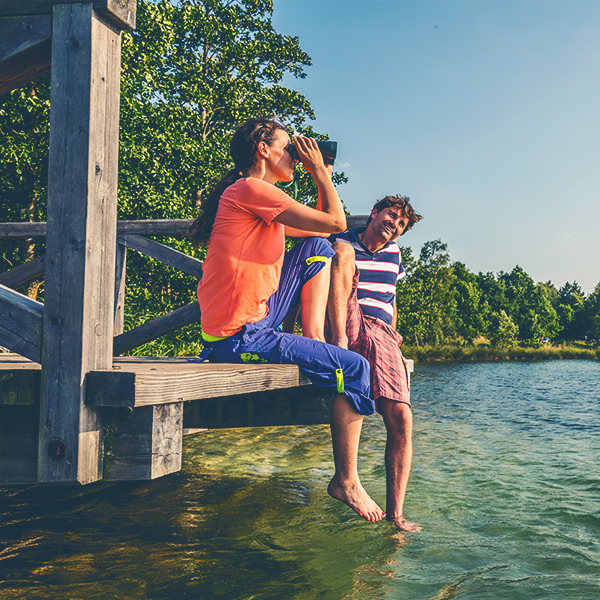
(371, 240)
(260, 171)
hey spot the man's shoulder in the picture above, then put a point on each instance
(350, 235)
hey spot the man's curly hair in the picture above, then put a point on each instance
(403, 204)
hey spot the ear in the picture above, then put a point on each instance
(263, 149)
(374, 213)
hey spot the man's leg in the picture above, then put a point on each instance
(343, 268)
(398, 420)
(346, 425)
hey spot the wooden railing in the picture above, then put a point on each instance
(131, 235)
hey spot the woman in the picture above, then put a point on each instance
(249, 284)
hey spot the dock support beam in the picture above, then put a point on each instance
(81, 239)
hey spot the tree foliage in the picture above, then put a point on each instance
(191, 72)
(440, 301)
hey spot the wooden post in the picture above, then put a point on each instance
(80, 240)
(146, 444)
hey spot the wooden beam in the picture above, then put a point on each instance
(120, 12)
(146, 444)
(18, 444)
(172, 227)
(81, 239)
(19, 387)
(20, 324)
(307, 405)
(135, 381)
(120, 277)
(169, 256)
(25, 229)
(25, 44)
(151, 330)
(29, 271)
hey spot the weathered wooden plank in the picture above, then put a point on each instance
(81, 238)
(120, 12)
(23, 229)
(307, 405)
(24, 50)
(120, 277)
(137, 382)
(29, 271)
(20, 323)
(171, 227)
(19, 387)
(18, 444)
(146, 444)
(151, 330)
(169, 256)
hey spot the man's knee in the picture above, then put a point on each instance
(344, 255)
(397, 416)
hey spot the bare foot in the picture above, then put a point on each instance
(357, 499)
(403, 525)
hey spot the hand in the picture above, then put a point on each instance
(309, 154)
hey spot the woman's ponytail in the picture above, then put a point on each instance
(243, 147)
(201, 228)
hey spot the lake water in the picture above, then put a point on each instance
(506, 483)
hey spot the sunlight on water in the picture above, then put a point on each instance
(505, 481)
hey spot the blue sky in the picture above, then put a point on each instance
(486, 113)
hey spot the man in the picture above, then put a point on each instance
(361, 315)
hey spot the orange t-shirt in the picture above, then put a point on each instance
(244, 258)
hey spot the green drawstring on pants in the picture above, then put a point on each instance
(339, 379)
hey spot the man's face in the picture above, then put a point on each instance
(388, 223)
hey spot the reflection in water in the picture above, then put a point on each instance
(505, 481)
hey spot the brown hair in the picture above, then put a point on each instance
(242, 148)
(403, 204)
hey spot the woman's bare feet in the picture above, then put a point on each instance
(403, 525)
(356, 497)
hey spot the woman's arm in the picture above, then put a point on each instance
(329, 215)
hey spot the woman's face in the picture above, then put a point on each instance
(279, 163)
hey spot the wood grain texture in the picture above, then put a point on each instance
(81, 236)
(25, 273)
(307, 405)
(25, 44)
(169, 256)
(21, 320)
(120, 12)
(137, 382)
(155, 328)
(146, 444)
(18, 444)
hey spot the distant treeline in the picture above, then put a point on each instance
(441, 302)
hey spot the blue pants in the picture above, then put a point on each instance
(327, 366)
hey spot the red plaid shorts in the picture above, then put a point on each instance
(380, 344)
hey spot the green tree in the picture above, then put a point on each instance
(191, 72)
(569, 306)
(469, 310)
(24, 131)
(502, 330)
(425, 299)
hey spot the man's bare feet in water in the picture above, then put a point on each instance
(403, 525)
(357, 499)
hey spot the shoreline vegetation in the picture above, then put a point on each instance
(487, 353)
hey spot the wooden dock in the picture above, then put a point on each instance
(72, 410)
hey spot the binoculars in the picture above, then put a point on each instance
(327, 147)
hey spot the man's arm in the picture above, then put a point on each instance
(395, 314)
